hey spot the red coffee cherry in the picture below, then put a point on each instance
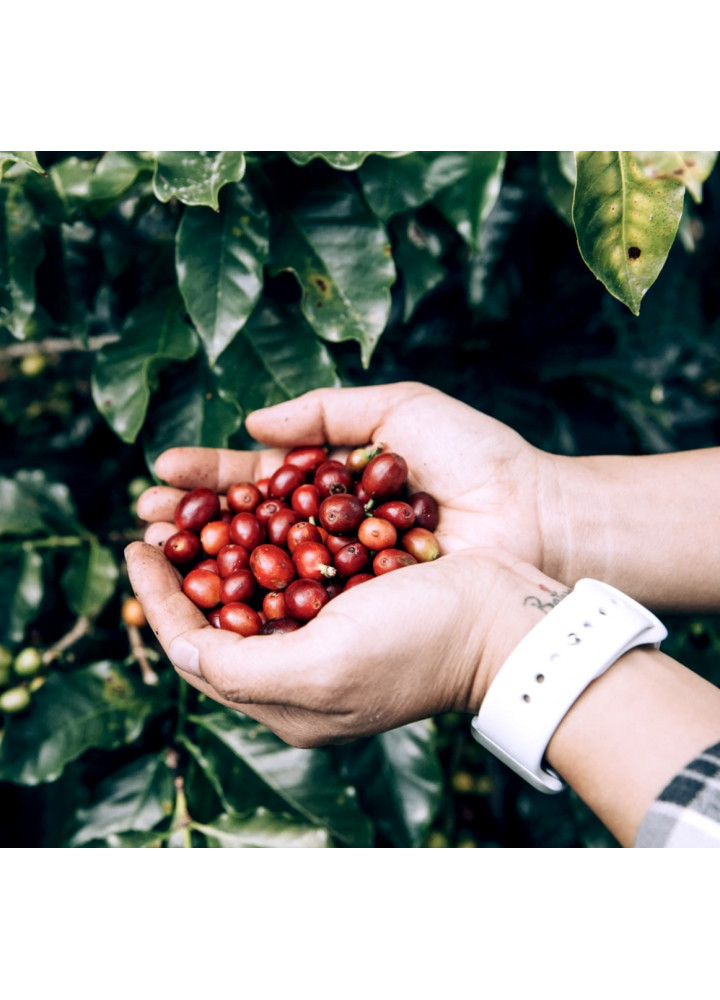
(197, 508)
(358, 578)
(182, 547)
(301, 531)
(272, 567)
(279, 525)
(240, 618)
(427, 512)
(263, 485)
(243, 497)
(336, 542)
(377, 533)
(231, 558)
(385, 475)
(214, 536)
(214, 617)
(284, 481)
(397, 512)
(332, 477)
(312, 561)
(392, 559)
(351, 559)
(280, 626)
(307, 457)
(334, 588)
(274, 604)
(265, 510)
(202, 587)
(208, 564)
(241, 586)
(420, 543)
(304, 598)
(246, 529)
(341, 513)
(306, 501)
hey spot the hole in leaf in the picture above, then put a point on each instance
(634, 252)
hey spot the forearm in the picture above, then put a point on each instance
(630, 732)
(648, 525)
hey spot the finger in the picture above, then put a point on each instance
(215, 468)
(159, 503)
(158, 533)
(349, 416)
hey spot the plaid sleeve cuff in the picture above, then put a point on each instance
(687, 812)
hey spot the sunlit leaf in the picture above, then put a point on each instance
(220, 259)
(196, 178)
(27, 159)
(468, 201)
(418, 251)
(340, 161)
(90, 578)
(26, 600)
(625, 222)
(261, 829)
(557, 184)
(691, 169)
(392, 186)
(32, 504)
(21, 251)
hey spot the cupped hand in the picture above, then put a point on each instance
(405, 646)
(489, 482)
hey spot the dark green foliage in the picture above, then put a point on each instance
(151, 300)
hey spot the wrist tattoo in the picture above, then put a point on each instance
(547, 604)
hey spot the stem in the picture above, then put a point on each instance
(140, 653)
(182, 820)
(81, 628)
(53, 542)
(56, 345)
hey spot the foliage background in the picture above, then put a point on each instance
(150, 299)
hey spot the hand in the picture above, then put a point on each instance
(405, 646)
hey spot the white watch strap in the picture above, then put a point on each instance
(576, 642)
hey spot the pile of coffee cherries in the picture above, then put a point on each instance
(288, 544)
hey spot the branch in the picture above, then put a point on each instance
(81, 628)
(56, 345)
(140, 653)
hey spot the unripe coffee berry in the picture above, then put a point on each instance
(132, 612)
(27, 662)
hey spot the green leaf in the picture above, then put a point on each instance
(401, 780)
(27, 598)
(136, 798)
(219, 260)
(557, 176)
(27, 159)
(114, 174)
(32, 504)
(625, 222)
(418, 251)
(691, 169)
(196, 178)
(124, 374)
(72, 180)
(21, 251)
(132, 839)
(468, 201)
(342, 258)
(340, 161)
(189, 410)
(90, 578)
(261, 829)
(304, 779)
(98, 706)
(276, 356)
(392, 186)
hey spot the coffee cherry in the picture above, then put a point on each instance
(14, 700)
(243, 497)
(214, 536)
(420, 543)
(306, 501)
(202, 587)
(334, 588)
(132, 613)
(182, 547)
(272, 567)
(137, 486)
(208, 564)
(397, 512)
(332, 477)
(246, 529)
(356, 579)
(304, 598)
(376, 533)
(427, 512)
(279, 625)
(385, 475)
(274, 604)
(284, 481)
(279, 525)
(27, 662)
(240, 618)
(214, 617)
(391, 559)
(231, 558)
(307, 457)
(359, 458)
(241, 586)
(336, 542)
(351, 559)
(197, 508)
(341, 513)
(265, 510)
(312, 561)
(301, 531)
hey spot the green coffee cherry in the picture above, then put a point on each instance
(6, 660)
(33, 364)
(28, 662)
(137, 486)
(14, 700)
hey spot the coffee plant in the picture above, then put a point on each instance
(149, 300)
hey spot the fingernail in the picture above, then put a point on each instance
(185, 656)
